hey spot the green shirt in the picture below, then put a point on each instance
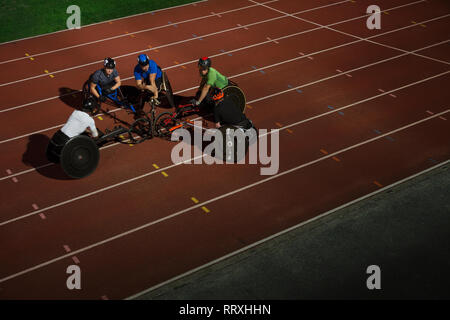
(215, 79)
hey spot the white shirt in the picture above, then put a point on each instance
(78, 122)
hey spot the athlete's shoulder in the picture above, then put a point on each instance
(137, 68)
(97, 73)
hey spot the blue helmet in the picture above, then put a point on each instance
(143, 59)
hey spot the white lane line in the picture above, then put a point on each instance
(170, 44)
(183, 21)
(174, 165)
(275, 235)
(34, 55)
(352, 35)
(144, 226)
(107, 21)
(308, 119)
(244, 48)
(256, 70)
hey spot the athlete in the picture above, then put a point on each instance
(106, 78)
(78, 123)
(211, 78)
(148, 76)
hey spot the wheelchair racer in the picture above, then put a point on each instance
(106, 78)
(211, 78)
(77, 124)
(148, 76)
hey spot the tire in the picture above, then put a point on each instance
(237, 95)
(141, 127)
(163, 123)
(168, 90)
(79, 157)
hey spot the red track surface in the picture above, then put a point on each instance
(132, 228)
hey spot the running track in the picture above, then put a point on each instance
(358, 110)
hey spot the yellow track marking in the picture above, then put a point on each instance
(206, 209)
(195, 200)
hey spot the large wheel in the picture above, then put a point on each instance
(237, 95)
(79, 157)
(164, 123)
(143, 128)
(168, 90)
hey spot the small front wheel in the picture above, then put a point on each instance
(143, 128)
(165, 124)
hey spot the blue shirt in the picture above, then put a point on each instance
(139, 74)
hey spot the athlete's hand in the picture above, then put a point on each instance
(107, 91)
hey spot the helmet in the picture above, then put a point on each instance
(204, 63)
(217, 94)
(89, 104)
(109, 63)
(143, 59)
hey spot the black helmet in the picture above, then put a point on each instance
(109, 63)
(143, 59)
(89, 104)
(204, 63)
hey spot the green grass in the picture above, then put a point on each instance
(25, 18)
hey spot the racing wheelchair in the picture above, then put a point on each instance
(167, 122)
(79, 156)
(117, 98)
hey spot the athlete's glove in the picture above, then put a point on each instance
(155, 101)
(102, 98)
(195, 102)
(107, 91)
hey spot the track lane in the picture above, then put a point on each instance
(356, 125)
(235, 220)
(278, 79)
(46, 99)
(95, 53)
(439, 147)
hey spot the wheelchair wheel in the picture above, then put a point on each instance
(237, 95)
(164, 125)
(79, 157)
(143, 128)
(167, 88)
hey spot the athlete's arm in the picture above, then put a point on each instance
(140, 84)
(152, 87)
(93, 90)
(93, 128)
(205, 90)
(118, 83)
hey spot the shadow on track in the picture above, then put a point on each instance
(35, 157)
